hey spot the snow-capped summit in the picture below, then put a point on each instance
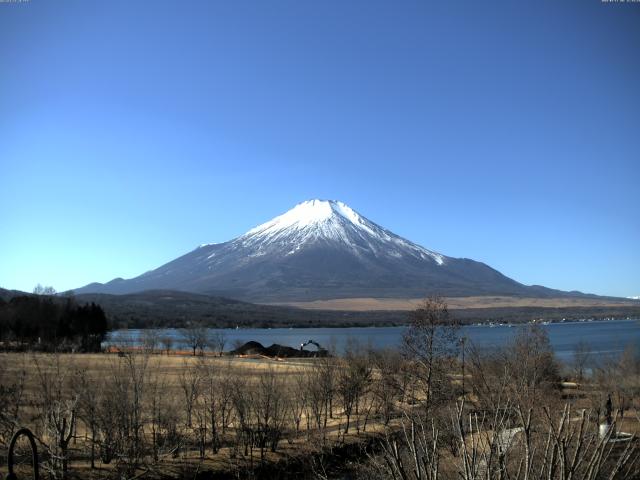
(308, 213)
(320, 249)
(331, 221)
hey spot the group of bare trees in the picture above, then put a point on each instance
(499, 414)
(196, 337)
(135, 411)
(510, 420)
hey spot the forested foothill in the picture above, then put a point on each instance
(172, 309)
(175, 309)
(51, 323)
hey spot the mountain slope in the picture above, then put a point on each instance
(321, 250)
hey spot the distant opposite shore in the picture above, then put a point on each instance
(461, 303)
(176, 309)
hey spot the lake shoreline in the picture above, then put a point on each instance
(606, 337)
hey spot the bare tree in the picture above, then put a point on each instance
(320, 390)
(387, 388)
(225, 407)
(109, 422)
(354, 377)
(201, 413)
(190, 381)
(217, 341)
(581, 358)
(271, 409)
(157, 385)
(88, 393)
(431, 343)
(242, 397)
(412, 453)
(163, 417)
(150, 340)
(167, 343)
(535, 372)
(297, 399)
(122, 413)
(58, 408)
(213, 397)
(195, 336)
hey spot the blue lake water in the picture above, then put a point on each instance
(605, 338)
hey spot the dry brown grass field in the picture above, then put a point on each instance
(166, 379)
(149, 414)
(393, 304)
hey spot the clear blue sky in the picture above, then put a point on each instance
(507, 132)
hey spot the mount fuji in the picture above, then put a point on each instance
(321, 249)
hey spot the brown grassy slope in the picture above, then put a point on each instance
(391, 304)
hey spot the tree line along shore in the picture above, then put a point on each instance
(170, 309)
